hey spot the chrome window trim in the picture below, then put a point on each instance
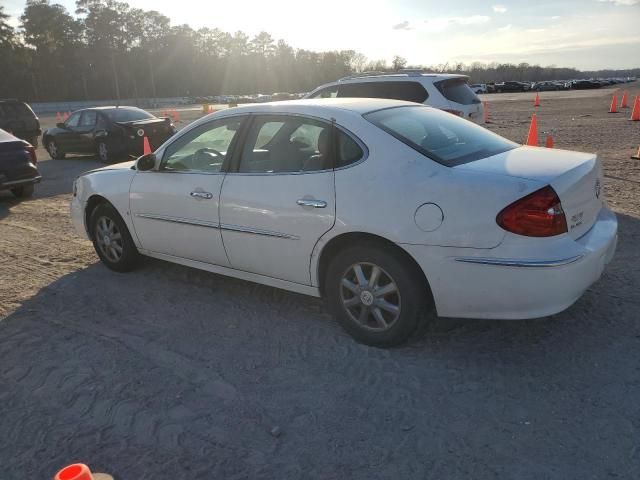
(507, 262)
(353, 136)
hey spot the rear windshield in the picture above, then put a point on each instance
(127, 115)
(15, 109)
(407, 91)
(441, 136)
(457, 90)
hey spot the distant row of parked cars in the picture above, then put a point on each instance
(514, 86)
(239, 99)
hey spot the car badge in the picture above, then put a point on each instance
(140, 132)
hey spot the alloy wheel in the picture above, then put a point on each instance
(109, 239)
(370, 296)
(103, 153)
(53, 149)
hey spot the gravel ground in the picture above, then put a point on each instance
(170, 372)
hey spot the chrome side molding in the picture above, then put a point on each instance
(509, 262)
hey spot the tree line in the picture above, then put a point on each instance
(109, 49)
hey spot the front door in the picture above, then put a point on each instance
(67, 139)
(85, 131)
(175, 208)
(280, 197)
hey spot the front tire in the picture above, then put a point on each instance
(112, 240)
(377, 295)
(25, 191)
(54, 151)
(104, 152)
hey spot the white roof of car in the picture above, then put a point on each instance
(357, 105)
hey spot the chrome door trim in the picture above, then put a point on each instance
(217, 226)
(185, 221)
(258, 231)
(506, 262)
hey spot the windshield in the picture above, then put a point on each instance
(441, 136)
(128, 114)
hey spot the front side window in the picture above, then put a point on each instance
(286, 144)
(203, 149)
(88, 118)
(445, 138)
(73, 120)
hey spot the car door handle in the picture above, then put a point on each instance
(205, 195)
(307, 202)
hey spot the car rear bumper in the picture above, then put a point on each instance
(7, 183)
(485, 284)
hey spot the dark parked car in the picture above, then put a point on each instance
(18, 118)
(18, 171)
(112, 133)
(512, 87)
(586, 84)
(546, 86)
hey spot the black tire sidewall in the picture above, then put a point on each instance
(415, 297)
(59, 155)
(130, 255)
(23, 192)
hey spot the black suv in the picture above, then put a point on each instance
(18, 118)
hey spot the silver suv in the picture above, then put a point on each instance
(449, 92)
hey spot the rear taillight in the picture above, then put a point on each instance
(32, 153)
(539, 214)
(455, 112)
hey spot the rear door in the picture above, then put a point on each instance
(280, 197)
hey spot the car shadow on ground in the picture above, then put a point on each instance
(168, 368)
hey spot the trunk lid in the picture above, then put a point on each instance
(576, 178)
(156, 129)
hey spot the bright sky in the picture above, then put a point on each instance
(587, 34)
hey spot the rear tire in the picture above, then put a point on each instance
(112, 240)
(54, 152)
(25, 191)
(34, 141)
(376, 294)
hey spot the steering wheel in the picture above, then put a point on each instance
(203, 157)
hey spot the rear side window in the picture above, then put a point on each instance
(457, 90)
(348, 150)
(127, 115)
(445, 138)
(408, 91)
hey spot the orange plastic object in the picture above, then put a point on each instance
(536, 102)
(146, 147)
(76, 471)
(532, 137)
(614, 105)
(549, 142)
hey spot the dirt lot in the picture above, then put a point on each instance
(171, 373)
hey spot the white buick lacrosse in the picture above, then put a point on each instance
(389, 210)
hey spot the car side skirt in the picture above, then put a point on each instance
(230, 272)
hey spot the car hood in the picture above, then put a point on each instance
(116, 166)
(532, 163)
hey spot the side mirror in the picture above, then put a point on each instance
(146, 162)
(61, 125)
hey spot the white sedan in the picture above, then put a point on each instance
(387, 209)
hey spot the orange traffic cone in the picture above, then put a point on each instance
(637, 155)
(146, 148)
(485, 113)
(549, 142)
(176, 116)
(536, 102)
(635, 114)
(623, 102)
(58, 118)
(532, 137)
(614, 105)
(79, 471)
